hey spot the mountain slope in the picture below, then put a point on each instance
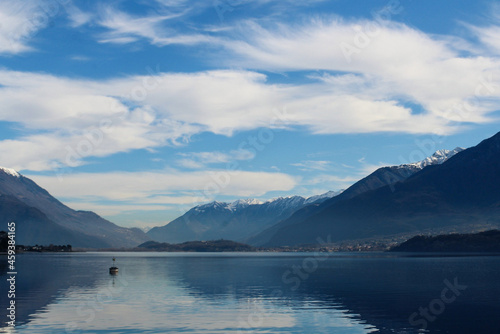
(488, 241)
(33, 227)
(86, 229)
(393, 174)
(462, 191)
(234, 221)
(381, 177)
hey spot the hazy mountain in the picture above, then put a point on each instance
(381, 177)
(462, 191)
(42, 219)
(234, 221)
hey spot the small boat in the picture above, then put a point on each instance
(113, 270)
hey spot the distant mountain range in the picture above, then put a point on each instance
(236, 221)
(450, 189)
(42, 219)
(384, 176)
(256, 222)
(464, 190)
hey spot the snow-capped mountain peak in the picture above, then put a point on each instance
(324, 196)
(281, 198)
(288, 202)
(241, 203)
(237, 220)
(211, 205)
(238, 204)
(10, 172)
(437, 158)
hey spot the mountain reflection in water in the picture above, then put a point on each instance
(251, 292)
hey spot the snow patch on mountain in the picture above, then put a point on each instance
(10, 172)
(436, 159)
(284, 202)
(243, 203)
(324, 196)
(211, 206)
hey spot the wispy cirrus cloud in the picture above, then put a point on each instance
(330, 181)
(76, 16)
(197, 160)
(20, 20)
(375, 90)
(60, 112)
(393, 62)
(123, 28)
(489, 32)
(312, 165)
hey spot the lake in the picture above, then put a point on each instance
(254, 293)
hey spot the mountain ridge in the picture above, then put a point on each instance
(93, 230)
(462, 191)
(237, 220)
(381, 177)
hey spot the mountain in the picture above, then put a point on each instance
(234, 221)
(33, 226)
(488, 241)
(42, 219)
(463, 191)
(321, 198)
(381, 177)
(389, 175)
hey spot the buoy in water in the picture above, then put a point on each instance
(114, 269)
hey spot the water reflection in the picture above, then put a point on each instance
(262, 293)
(39, 281)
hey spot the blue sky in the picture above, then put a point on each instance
(139, 110)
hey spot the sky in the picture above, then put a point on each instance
(140, 110)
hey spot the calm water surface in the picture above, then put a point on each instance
(254, 293)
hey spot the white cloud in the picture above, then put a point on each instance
(198, 160)
(490, 37)
(124, 28)
(392, 62)
(313, 165)
(489, 32)
(367, 168)
(115, 209)
(80, 58)
(157, 197)
(153, 190)
(399, 67)
(62, 116)
(19, 21)
(76, 16)
(74, 120)
(321, 183)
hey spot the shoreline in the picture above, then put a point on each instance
(386, 253)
